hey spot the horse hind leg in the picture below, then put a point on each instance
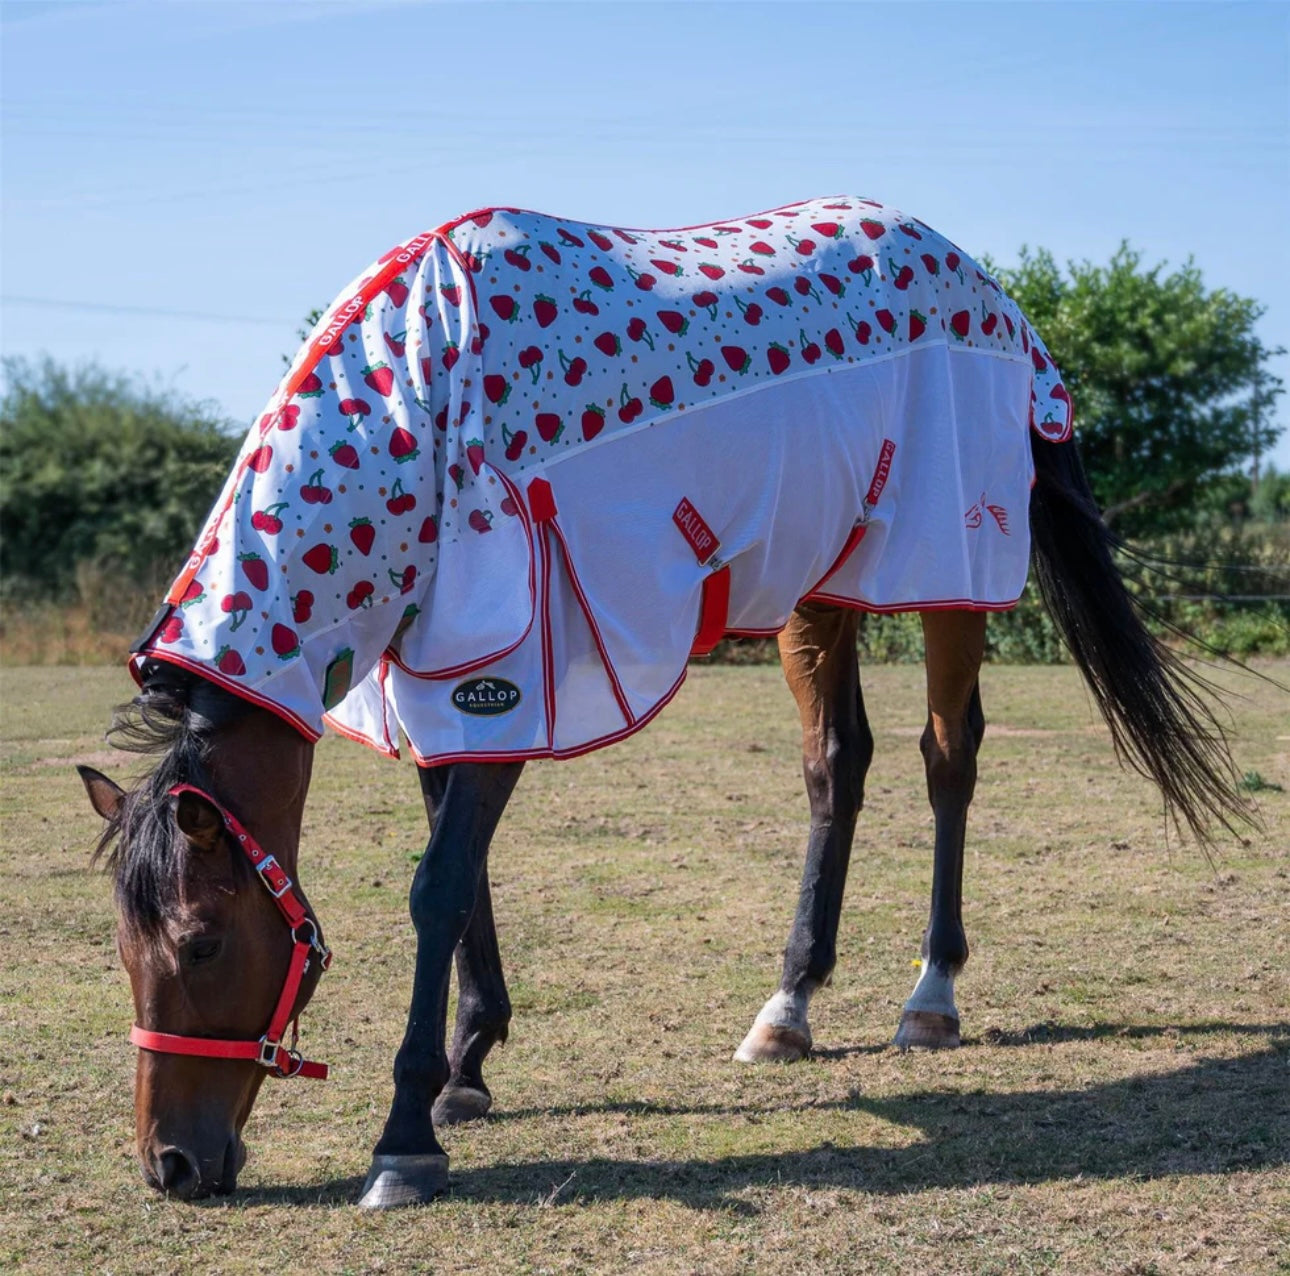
(954, 642)
(483, 1016)
(818, 651)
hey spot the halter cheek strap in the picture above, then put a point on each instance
(269, 1051)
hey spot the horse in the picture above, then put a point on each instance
(457, 522)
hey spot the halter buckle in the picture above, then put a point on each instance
(274, 877)
(268, 1056)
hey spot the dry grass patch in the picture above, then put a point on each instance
(1119, 1106)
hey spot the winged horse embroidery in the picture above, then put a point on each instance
(972, 519)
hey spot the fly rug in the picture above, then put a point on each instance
(524, 466)
(521, 470)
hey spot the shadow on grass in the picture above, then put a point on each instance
(1052, 1033)
(1219, 1116)
(1048, 1033)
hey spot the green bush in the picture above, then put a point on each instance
(1250, 633)
(1227, 584)
(1171, 383)
(100, 474)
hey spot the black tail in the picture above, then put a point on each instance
(1160, 720)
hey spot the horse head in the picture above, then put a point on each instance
(209, 951)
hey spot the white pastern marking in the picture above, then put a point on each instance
(934, 992)
(785, 1010)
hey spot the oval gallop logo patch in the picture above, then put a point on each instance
(485, 697)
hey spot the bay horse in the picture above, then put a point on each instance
(426, 537)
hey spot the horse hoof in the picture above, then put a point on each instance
(774, 1043)
(458, 1103)
(927, 1030)
(394, 1181)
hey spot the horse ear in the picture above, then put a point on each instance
(198, 821)
(106, 795)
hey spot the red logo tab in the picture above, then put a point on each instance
(881, 473)
(701, 537)
(541, 501)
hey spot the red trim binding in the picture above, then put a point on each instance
(391, 737)
(388, 745)
(714, 611)
(548, 655)
(619, 694)
(384, 748)
(1068, 432)
(881, 472)
(854, 537)
(228, 684)
(522, 755)
(772, 632)
(640, 230)
(283, 1061)
(944, 604)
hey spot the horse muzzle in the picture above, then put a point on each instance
(178, 1172)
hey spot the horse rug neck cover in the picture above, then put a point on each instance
(521, 460)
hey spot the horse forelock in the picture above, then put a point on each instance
(174, 717)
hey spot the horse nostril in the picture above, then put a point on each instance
(177, 1174)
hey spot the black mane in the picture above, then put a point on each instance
(175, 717)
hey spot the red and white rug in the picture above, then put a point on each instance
(522, 463)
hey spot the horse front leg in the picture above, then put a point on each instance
(954, 642)
(818, 651)
(409, 1166)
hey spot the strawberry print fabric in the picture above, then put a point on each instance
(431, 495)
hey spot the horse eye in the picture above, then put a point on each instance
(197, 951)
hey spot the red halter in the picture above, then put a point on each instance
(285, 1061)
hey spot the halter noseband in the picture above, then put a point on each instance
(284, 1061)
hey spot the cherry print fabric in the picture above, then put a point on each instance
(483, 505)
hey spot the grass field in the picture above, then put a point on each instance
(1121, 1104)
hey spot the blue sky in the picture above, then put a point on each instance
(182, 181)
